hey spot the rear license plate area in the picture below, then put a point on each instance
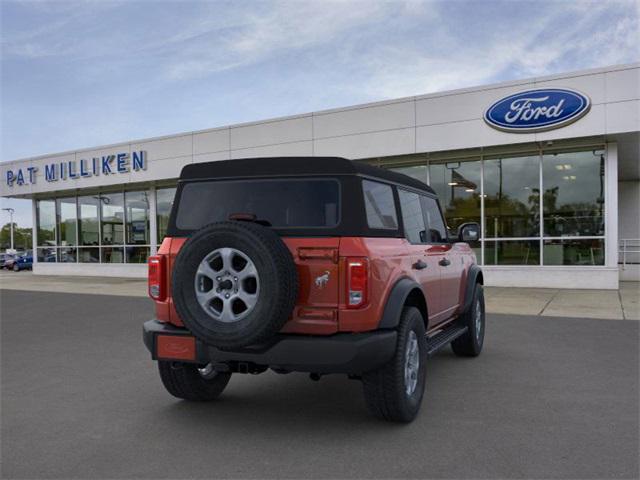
(175, 347)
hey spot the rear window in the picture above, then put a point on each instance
(286, 203)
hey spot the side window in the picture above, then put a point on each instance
(412, 218)
(379, 204)
(433, 219)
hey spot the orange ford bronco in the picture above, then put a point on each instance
(319, 265)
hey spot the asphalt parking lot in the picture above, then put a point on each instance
(548, 398)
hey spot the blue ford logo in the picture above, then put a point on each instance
(537, 110)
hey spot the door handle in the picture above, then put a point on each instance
(444, 262)
(419, 265)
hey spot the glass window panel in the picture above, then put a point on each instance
(137, 254)
(89, 255)
(573, 198)
(512, 252)
(67, 255)
(46, 218)
(512, 197)
(112, 254)
(379, 205)
(112, 218)
(574, 252)
(434, 221)
(88, 220)
(137, 216)
(284, 203)
(458, 187)
(67, 212)
(47, 255)
(164, 202)
(419, 172)
(412, 218)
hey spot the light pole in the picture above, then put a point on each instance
(11, 211)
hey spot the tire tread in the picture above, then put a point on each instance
(384, 388)
(184, 381)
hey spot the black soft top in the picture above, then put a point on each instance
(294, 166)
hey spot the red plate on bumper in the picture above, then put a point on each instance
(175, 347)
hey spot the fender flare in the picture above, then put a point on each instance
(474, 276)
(396, 301)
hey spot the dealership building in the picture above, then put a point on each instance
(549, 166)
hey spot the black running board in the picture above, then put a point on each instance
(443, 338)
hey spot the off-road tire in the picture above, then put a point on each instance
(470, 344)
(385, 389)
(278, 284)
(182, 380)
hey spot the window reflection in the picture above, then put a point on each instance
(46, 255)
(46, 221)
(412, 217)
(379, 205)
(67, 212)
(512, 252)
(164, 202)
(458, 187)
(573, 198)
(67, 255)
(574, 252)
(88, 220)
(112, 254)
(94, 228)
(137, 254)
(112, 206)
(419, 172)
(89, 255)
(512, 197)
(137, 218)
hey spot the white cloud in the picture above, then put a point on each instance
(525, 48)
(135, 69)
(286, 27)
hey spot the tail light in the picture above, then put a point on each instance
(157, 277)
(357, 281)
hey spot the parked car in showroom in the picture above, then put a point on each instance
(319, 265)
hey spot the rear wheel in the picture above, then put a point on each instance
(395, 391)
(470, 344)
(16, 268)
(190, 382)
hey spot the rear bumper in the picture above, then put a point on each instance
(351, 353)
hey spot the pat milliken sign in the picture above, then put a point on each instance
(105, 165)
(537, 110)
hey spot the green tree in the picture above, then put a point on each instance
(21, 237)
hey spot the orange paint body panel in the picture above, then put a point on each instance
(321, 308)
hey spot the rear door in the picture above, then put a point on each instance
(424, 260)
(316, 310)
(441, 249)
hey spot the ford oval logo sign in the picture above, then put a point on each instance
(537, 110)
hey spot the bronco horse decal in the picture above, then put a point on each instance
(322, 280)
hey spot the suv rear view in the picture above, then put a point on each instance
(318, 265)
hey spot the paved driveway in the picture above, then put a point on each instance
(552, 398)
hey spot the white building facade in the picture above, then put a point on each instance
(550, 168)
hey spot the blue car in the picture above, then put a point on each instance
(24, 262)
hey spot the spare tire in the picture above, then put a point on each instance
(234, 284)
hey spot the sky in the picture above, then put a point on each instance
(87, 73)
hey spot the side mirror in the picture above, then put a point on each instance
(469, 232)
